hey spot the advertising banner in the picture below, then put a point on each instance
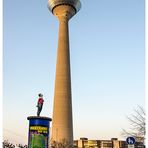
(38, 132)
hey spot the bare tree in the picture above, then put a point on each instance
(7, 144)
(137, 125)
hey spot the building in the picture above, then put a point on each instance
(113, 143)
(62, 124)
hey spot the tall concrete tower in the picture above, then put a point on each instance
(62, 125)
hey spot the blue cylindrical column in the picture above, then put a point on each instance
(38, 131)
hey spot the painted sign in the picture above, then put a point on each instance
(130, 140)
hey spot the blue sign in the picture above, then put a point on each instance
(130, 140)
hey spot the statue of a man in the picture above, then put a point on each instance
(40, 104)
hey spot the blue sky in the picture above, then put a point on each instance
(107, 47)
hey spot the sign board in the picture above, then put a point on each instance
(131, 146)
(38, 132)
(130, 141)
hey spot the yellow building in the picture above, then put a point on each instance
(113, 143)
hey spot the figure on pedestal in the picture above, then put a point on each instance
(38, 136)
(40, 104)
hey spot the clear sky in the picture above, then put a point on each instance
(107, 46)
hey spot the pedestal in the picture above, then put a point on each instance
(38, 131)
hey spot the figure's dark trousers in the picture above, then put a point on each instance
(39, 109)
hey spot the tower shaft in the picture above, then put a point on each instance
(62, 126)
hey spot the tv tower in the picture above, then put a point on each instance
(62, 125)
